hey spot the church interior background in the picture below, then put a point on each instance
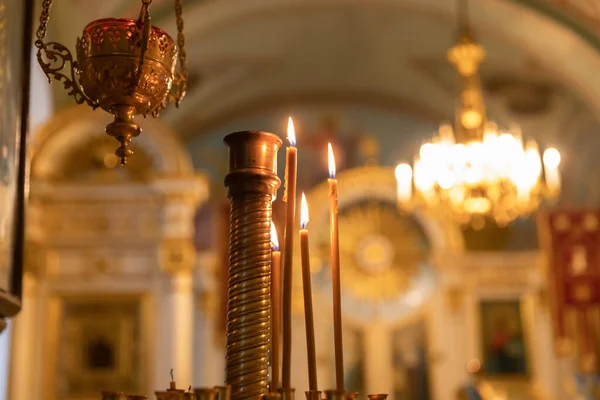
(125, 273)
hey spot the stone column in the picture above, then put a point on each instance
(209, 351)
(175, 300)
(24, 334)
(379, 371)
(174, 339)
(447, 335)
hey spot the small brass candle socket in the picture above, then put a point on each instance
(206, 393)
(380, 396)
(111, 395)
(333, 394)
(170, 394)
(224, 392)
(313, 395)
(272, 396)
(287, 394)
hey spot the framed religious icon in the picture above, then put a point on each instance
(503, 339)
(15, 64)
(98, 353)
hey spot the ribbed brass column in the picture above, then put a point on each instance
(252, 182)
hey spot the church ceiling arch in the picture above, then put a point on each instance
(350, 44)
(388, 55)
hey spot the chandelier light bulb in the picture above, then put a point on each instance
(404, 176)
(551, 158)
(471, 119)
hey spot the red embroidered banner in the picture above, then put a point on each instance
(571, 240)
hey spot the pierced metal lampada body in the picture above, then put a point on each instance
(124, 66)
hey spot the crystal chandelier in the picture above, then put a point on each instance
(476, 171)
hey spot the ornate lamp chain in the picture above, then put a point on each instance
(44, 17)
(181, 38)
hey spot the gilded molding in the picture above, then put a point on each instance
(177, 256)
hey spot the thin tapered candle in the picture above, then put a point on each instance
(335, 273)
(288, 253)
(275, 309)
(308, 305)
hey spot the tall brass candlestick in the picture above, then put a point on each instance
(252, 183)
(335, 273)
(288, 254)
(308, 305)
(275, 309)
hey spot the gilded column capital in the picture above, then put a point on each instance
(188, 189)
(177, 255)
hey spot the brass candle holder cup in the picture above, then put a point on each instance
(224, 392)
(380, 396)
(352, 395)
(287, 394)
(272, 396)
(109, 395)
(333, 394)
(206, 393)
(124, 66)
(171, 394)
(313, 395)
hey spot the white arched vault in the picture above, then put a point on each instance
(318, 48)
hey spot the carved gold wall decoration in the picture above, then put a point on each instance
(379, 249)
(177, 255)
(95, 353)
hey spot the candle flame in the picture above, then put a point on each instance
(303, 212)
(331, 161)
(274, 239)
(291, 132)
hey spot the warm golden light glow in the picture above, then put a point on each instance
(473, 366)
(497, 176)
(404, 176)
(551, 158)
(274, 239)
(331, 160)
(291, 133)
(303, 212)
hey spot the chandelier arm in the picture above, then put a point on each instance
(462, 13)
(53, 57)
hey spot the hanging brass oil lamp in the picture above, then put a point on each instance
(124, 66)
